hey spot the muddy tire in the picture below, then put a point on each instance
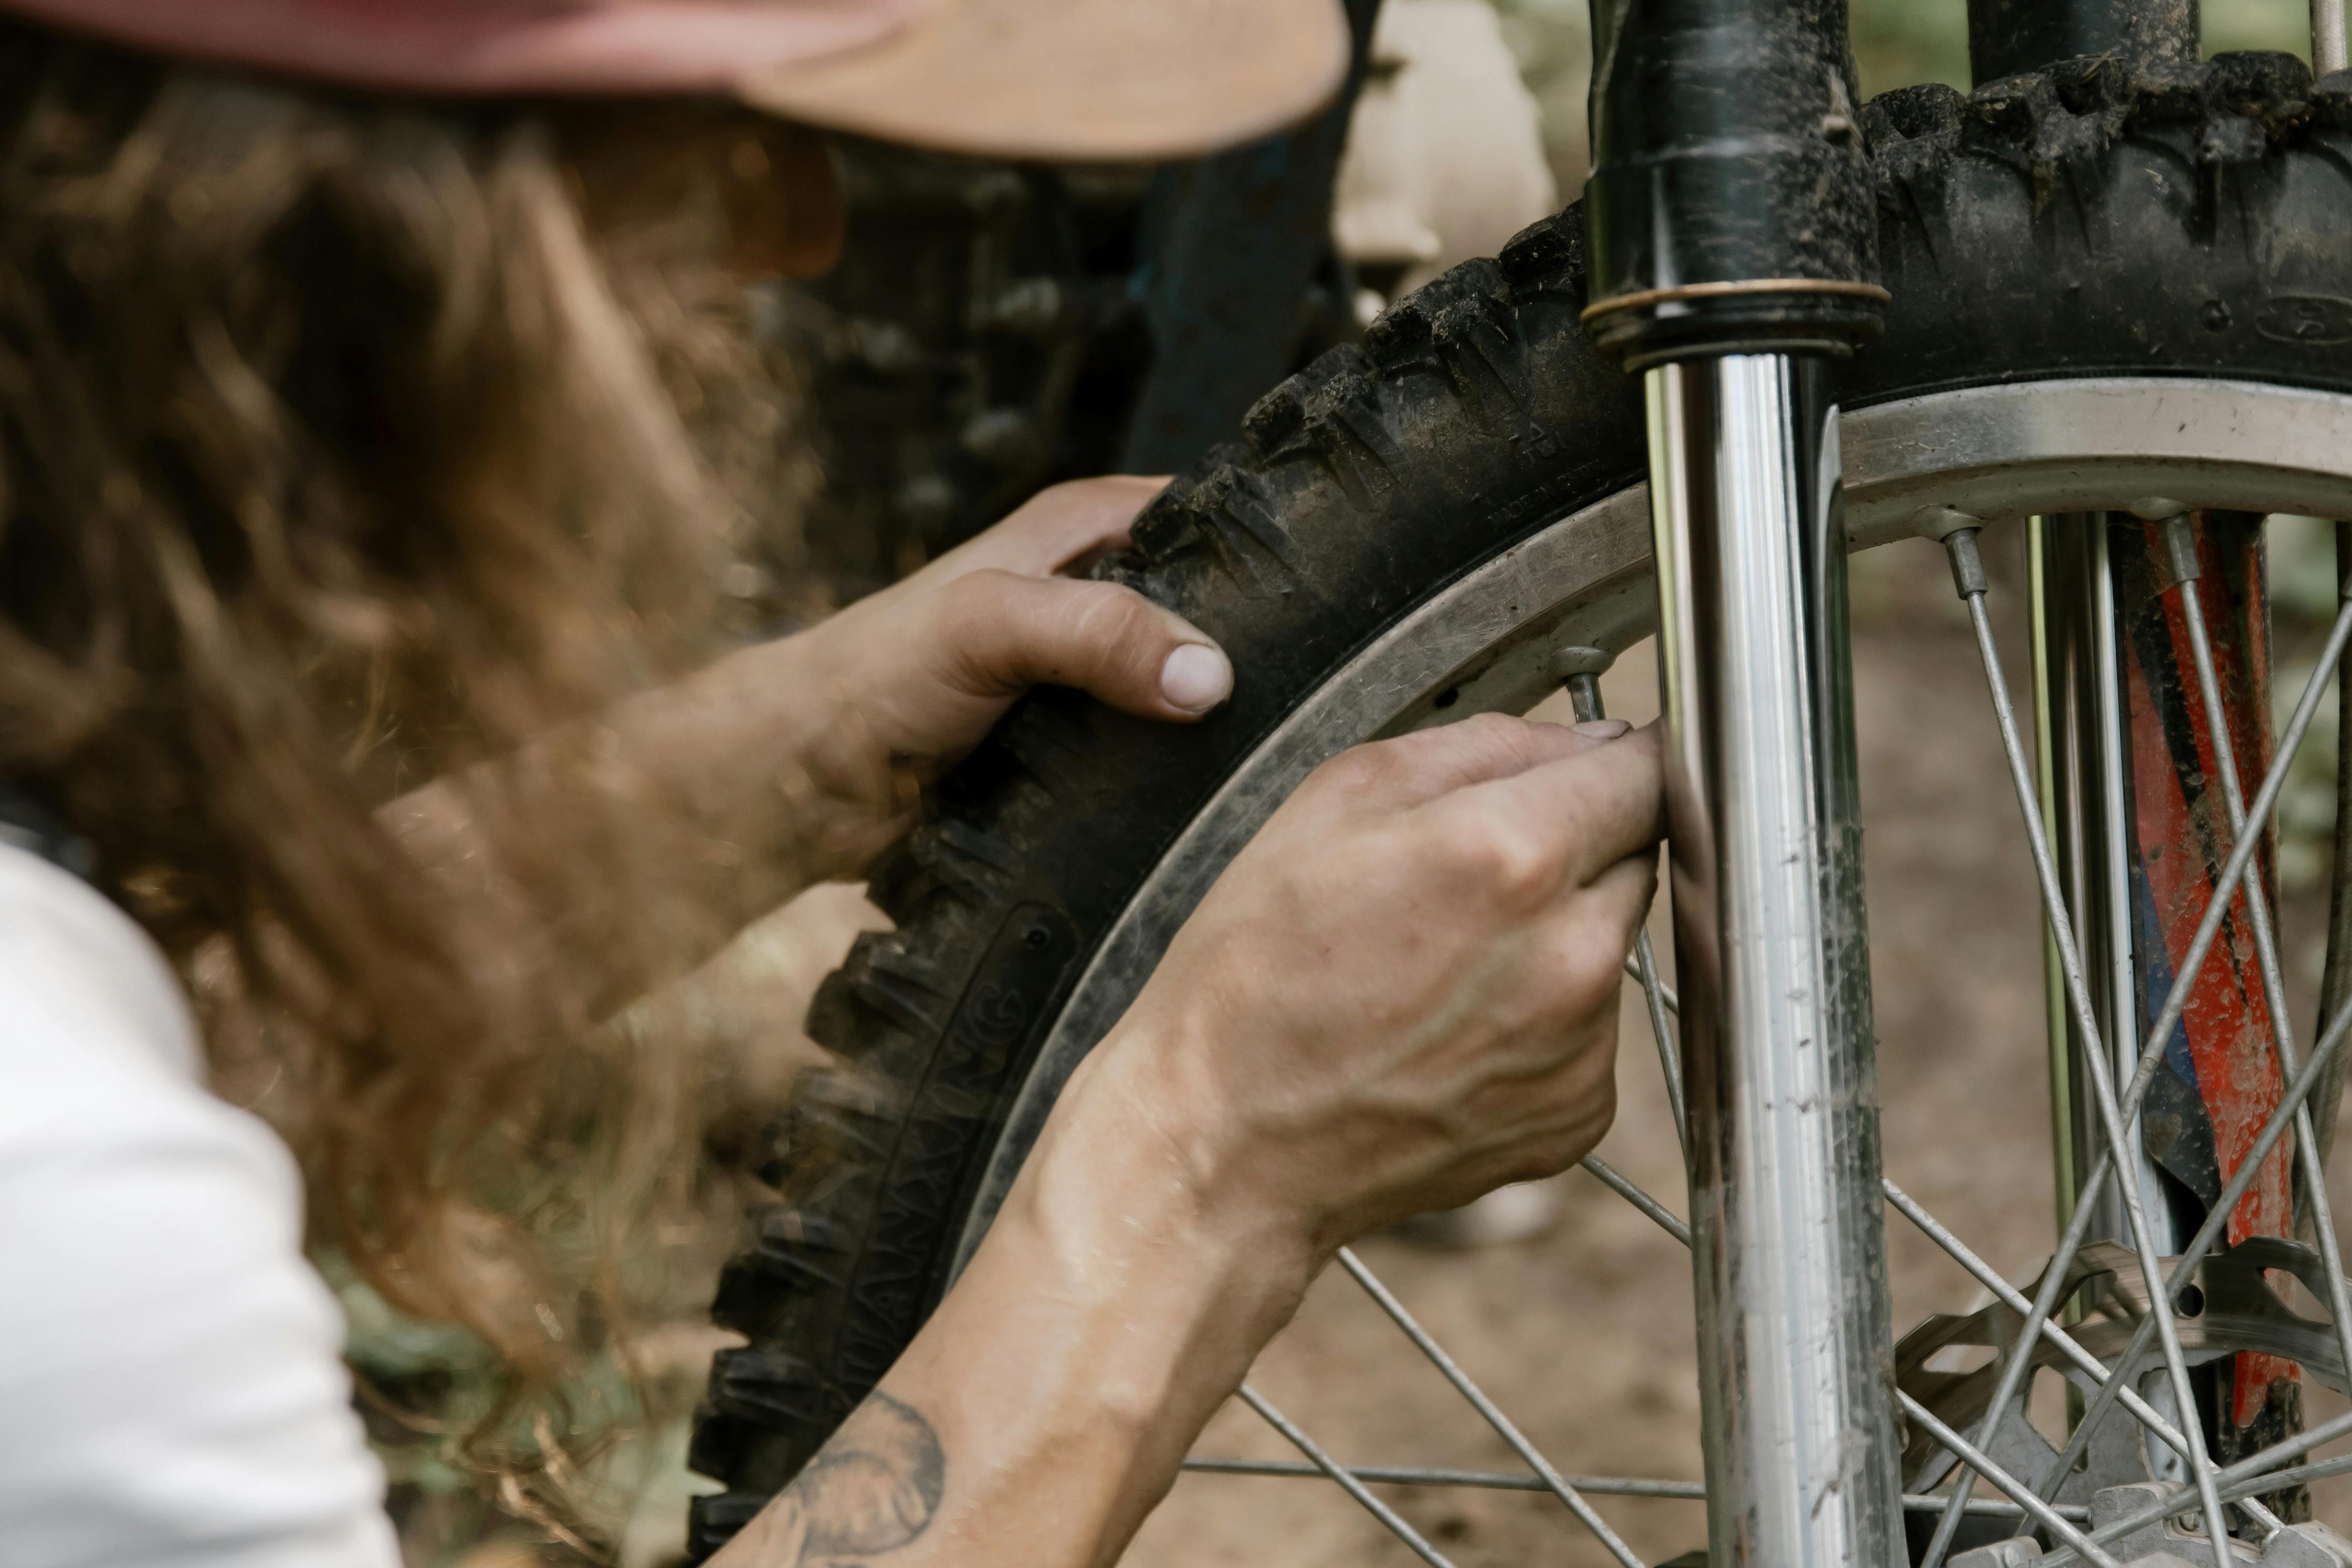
(2066, 224)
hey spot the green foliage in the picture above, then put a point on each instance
(1901, 43)
(2284, 25)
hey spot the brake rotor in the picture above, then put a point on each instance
(2229, 1309)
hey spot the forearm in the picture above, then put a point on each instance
(1047, 1406)
(624, 850)
(655, 831)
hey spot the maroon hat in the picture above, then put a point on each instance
(1094, 80)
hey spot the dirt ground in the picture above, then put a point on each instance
(1583, 1335)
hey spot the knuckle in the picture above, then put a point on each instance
(1509, 856)
(972, 620)
(1591, 968)
(976, 595)
(1111, 616)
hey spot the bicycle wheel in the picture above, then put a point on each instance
(2106, 291)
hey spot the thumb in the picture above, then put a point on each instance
(1007, 632)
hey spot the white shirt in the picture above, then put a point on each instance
(171, 1392)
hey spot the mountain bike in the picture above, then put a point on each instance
(2104, 298)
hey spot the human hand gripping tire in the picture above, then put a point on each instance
(916, 675)
(800, 760)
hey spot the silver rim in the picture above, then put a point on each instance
(1486, 643)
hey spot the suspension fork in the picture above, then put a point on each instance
(2085, 761)
(2088, 769)
(2115, 724)
(1732, 236)
(2135, 761)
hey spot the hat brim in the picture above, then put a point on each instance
(1076, 80)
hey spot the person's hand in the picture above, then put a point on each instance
(800, 760)
(1402, 993)
(917, 673)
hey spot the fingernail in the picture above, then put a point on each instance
(1603, 729)
(1196, 677)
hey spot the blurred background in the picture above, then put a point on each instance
(995, 328)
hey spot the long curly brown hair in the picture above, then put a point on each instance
(344, 441)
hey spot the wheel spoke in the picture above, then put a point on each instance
(1556, 1483)
(1348, 1482)
(2294, 1108)
(1672, 1002)
(1616, 1182)
(2306, 1147)
(1969, 573)
(1968, 578)
(1584, 697)
(1596, 1486)
(1645, 965)
(2120, 1133)
(1419, 1476)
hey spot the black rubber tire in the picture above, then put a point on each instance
(2066, 224)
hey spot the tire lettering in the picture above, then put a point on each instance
(2314, 320)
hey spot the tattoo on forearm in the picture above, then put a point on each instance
(871, 1491)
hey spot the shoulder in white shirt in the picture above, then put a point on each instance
(171, 1391)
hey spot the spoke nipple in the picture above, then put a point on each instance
(1579, 670)
(1957, 532)
(2180, 562)
(2156, 508)
(1570, 661)
(1940, 523)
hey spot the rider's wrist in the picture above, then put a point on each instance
(1150, 1174)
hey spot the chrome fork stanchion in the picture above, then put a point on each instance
(1787, 1237)
(1731, 224)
